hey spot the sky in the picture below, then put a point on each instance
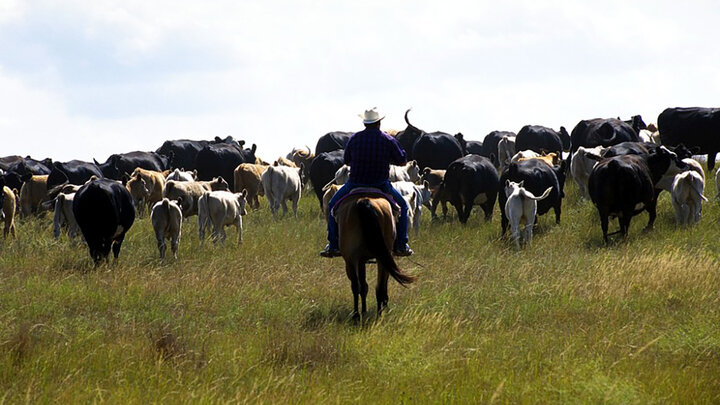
(84, 79)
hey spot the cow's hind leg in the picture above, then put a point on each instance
(604, 225)
(651, 208)
(161, 244)
(116, 244)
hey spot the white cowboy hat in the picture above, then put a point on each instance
(371, 116)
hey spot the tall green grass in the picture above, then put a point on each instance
(566, 320)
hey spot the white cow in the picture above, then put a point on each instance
(520, 209)
(282, 183)
(166, 217)
(64, 216)
(687, 197)
(422, 196)
(506, 151)
(179, 175)
(582, 163)
(221, 208)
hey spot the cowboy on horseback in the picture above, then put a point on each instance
(369, 153)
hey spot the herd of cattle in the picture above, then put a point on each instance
(621, 166)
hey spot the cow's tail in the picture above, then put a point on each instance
(169, 186)
(544, 195)
(166, 207)
(203, 211)
(697, 186)
(375, 242)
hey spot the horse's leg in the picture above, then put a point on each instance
(362, 281)
(354, 285)
(381, 294)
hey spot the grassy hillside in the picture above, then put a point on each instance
(567, 320)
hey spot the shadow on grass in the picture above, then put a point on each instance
(339, 314)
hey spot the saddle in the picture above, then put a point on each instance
(368, 192)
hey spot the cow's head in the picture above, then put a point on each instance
(511, 186)
(664, 164)
(242, 201)
(413, 171)
(109, 169)
(565, 139)
(561, 173)
(219, 184)
(301, 173)
(463, 143)
(637, 123)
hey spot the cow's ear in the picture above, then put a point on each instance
(125, 178)
(426, 170)
(522, 182)
(507, 183)
(414, 163)
(96, 162)
(426, 184)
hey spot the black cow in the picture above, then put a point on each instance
(537, 177)
(183, 152)
(73, 172)
(323, 168)
(474, 147)
(6, 161)
(331, 141)
(539, 139)
(624, 186)
(29, 166)
(221, 159)
(469, 180)
(601, 132)
(490, 144)
(435, 150)
(104, 212)
(121, 164)
(695, 127)
(20, 170)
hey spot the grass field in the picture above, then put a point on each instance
(566, 320)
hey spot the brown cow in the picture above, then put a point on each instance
(248, 176)
(32, 193)
(154, 181)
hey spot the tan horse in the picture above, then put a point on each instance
(367, 230)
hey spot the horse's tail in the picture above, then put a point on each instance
(375, 242)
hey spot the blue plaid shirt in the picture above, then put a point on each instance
(370, 153)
